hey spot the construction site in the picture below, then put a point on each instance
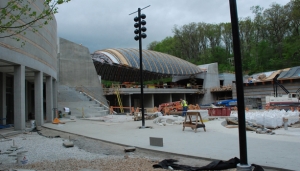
(83, 107)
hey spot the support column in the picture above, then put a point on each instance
(130, 101)
(26, 100)
(54, 83)
(29, 99)
(49, 99)
(171, 98)
(2, 98)
(152, 100)
(38, 98)
(19, 97)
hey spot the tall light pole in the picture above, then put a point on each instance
(243, 166)
(139, 31)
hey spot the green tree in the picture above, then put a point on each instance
(277, 24)
(291, 44)
(227, 38)
(152, 45)
(257, 60)
(16, 16)
(269, 41)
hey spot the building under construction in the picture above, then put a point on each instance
(32, 90)
(38, 78)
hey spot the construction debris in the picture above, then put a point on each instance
(271, 119)
(57, 121)
(68, 143)
(129, 149)
(221, 88)
(260, 129)
(168, 120)
(138, 115)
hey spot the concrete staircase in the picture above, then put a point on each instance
(79, 104)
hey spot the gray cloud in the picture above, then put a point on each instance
(99, 24)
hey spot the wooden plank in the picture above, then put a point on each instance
(190, 123)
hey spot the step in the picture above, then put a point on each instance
(95, 115)
(99, 108)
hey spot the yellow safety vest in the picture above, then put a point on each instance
(183, 103)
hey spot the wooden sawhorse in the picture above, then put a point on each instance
(194, 125)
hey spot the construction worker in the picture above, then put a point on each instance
(184, 106)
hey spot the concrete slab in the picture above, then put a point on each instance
(280, 150)
(155, 141)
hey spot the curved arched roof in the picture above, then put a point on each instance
(155, 64)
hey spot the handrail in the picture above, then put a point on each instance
(154, 86)
(89, 93)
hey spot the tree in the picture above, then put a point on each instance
(152, 45)
(16, 16)
(294, 17)
(277, 24)
(227, 38)
(269, 41)
(189, 40)
(258, 57)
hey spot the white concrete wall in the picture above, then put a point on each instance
(39, 54)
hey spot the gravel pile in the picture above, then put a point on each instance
(45, 153)
(108, 164)
(48, 153)
(40, 148)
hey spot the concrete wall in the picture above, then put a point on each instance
(227, 78)
(211, 79)
(40, 49)
(261, 90)
(39, 54)
(76, 68)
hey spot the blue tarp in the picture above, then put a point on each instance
(4, 126)
(227, 103)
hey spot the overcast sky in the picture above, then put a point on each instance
(102, 24)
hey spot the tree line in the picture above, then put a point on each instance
(269, 41)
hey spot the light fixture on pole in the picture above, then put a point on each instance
(243, 166)
(139, 31)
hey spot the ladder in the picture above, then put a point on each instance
(117, 92)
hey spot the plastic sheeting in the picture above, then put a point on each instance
(168, 120)
(171, 164)
(270, 118)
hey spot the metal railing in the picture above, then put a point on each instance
(125, 87)
(94, 96)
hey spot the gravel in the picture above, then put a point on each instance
(47, 153)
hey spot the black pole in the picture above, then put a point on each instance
(141, 69)
(239, 82)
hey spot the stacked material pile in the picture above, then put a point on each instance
(270, 118)
(168, 120)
